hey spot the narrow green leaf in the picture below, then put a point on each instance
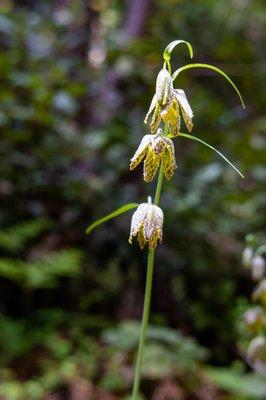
(120, 210)
(208, 66)
(212, 148)
(168, 50)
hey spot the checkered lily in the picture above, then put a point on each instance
(155, 150)
(168, 104)
(147, 224)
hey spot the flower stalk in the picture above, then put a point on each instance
(169, 107)
(147, 299)
(144, 325)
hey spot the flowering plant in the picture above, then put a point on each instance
(168, 107)
(254, 318)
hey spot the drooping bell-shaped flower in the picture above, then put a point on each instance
(168, 104)
(147, 224)
(155, 149)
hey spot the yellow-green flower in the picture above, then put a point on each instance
(147, 224)
(155, 149)
(168, 104)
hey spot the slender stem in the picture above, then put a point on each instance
(169, 67)
(148, 289)
(159, 186)
(144, 326)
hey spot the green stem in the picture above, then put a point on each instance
(144, 325)
(159, 186)
(147, 300)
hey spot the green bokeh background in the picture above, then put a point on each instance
(76, 79)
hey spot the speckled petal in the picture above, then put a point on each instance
(157, 232)
(137, 220)
(151, 165)
(169, 162)
(152, 107)
(187, 113)
(159, 146)
(141, 239)
(141, 151)
(152, 226)
(172, 117)
(156, 118)
(166, 107)
(147, 224)
(164, 87)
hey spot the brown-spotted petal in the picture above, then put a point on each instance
(152, 107)
(169, 162)
(151, 164)
(187, 112)
(152, 226)
(172, 117)
(141, 151)
(156, 118)
(164, 87)
(137, 220)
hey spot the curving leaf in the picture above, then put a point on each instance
(212, 148)
(212, 67)
(168, 50)
(120, 210)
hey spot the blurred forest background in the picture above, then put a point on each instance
(76, 79)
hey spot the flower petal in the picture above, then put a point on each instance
(149, 224)
(141, 151)
(172, 117)
(152, 226)
(164, 87)
(156, 118)
(151, 165)
(159, 146)
(152, 107)
(146, 224)
(137, 219)
(141, 238)
(187, 113)
(169, 162)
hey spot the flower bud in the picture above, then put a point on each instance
(147, 224)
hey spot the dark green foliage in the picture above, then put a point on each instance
(74, 91)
